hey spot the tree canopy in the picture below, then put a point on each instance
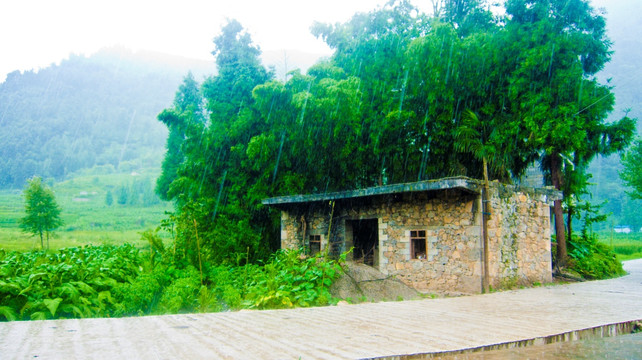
(559, 46)
(632, 172)
(42, 213)
(404, 97)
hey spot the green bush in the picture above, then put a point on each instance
(138, 296)
(182, 294)
(289, 279)
(107, 281)
(593, 259)
(72, 283)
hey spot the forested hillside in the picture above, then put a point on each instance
(87, 111)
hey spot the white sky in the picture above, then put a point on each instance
(37, 33)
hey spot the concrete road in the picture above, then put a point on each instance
(339, 332)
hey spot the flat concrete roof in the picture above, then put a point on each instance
(461, 183)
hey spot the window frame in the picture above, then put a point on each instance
(314, 239)
(418, 237)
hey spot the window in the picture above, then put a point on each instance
(418, 244)
(315, 244)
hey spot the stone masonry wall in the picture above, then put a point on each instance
(519, 235)
(453, 246)
(449, 218)
(309, 219)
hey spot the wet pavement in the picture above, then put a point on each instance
(621, 347)
(391, 329)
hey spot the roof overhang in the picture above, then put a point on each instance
(460, 183)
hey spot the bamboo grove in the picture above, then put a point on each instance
(404, 97)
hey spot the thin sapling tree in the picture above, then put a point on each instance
(42, 213)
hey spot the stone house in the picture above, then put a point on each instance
(429, 234)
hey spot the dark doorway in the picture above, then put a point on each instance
(365, 240)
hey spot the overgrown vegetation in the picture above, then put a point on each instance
(108, 281)
(73, 282)
(588, 257)
(404, 97)
(593, 259)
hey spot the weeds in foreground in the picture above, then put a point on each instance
(592, 259)
(110, 281)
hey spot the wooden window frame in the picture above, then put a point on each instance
(417, 238)
(314, 239)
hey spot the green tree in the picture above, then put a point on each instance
(109, 198)
(631, 174)
(467, 16)
(371, 48)
(402, 98)
(42, 211)
(123, 195)
(187, 109)
(556, 47)
(210, 187)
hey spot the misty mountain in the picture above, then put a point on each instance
(88, 111)
(98, 111)
(623, 73)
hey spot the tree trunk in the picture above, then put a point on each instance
(42, 241)
(556, 177)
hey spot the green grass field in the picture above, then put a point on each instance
(15, 239)
(626, 246)
(87, 217)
